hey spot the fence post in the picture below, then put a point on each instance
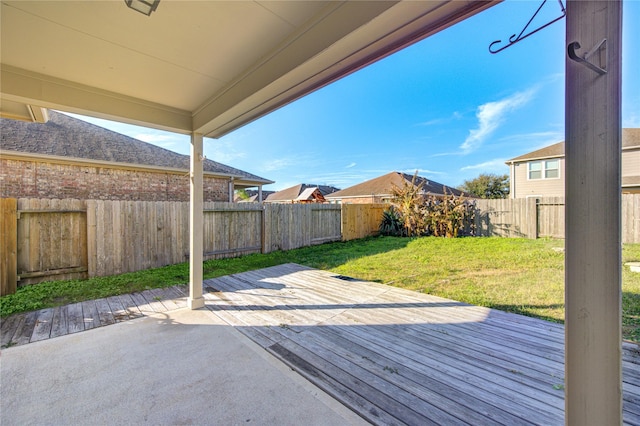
(9, 244)
(263, 230)
(92, 239)
(532, 218)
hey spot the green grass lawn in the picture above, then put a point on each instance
(515, 275)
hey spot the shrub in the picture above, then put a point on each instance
(419, 214)
(391, 223)
(408, 201)
(449, 216)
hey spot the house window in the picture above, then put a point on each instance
(551, 169)
(545, 169)
(535, 170)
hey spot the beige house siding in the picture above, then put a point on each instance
(631, 162)
(523, 187)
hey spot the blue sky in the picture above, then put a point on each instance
(444, 106)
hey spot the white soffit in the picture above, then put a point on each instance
(205, 66)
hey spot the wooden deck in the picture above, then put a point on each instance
(391, 355)
(53, 322)
(400, 357)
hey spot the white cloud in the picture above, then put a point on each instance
(490, 117)
(223, 151)
(281, 163)
(155, 138)
(455, 116)
(534, 140)
(487, 165)
(632, 119)
(227, 157)
(423, 172)
(350, 165)
(445, 154)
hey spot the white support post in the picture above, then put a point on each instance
(593, 294)
(260, 193)
(195, 299)
(512, 181)
(231, 190)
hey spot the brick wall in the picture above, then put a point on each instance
(48, 180)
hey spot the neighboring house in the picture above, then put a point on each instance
(380, 189)
(70, 158)
(254, 196)
(541, 173)
(302, 193)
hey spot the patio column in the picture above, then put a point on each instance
(259, 193)
(195, 299)
(593, 296)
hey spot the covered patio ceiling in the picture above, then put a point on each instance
(207, 67)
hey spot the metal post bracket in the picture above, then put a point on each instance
(571, 50)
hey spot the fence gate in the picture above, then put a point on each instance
(550, 217)
(52, 240)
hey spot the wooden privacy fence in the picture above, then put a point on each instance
(360, 222)
(72, 239)
(66, 239)
(544, 217)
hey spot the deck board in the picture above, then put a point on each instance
(90, 314)
(117, 309)
(75, 318)
(8, 328)
(48, 323)
(60, 324)
(401, 357)
(42, 328)
(393, 356)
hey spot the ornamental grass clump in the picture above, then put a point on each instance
(408, 201)
(449, 216)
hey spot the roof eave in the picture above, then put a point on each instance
(525, 160)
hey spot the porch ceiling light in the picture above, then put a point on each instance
(143, 6)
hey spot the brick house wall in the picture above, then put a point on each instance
(35, 179)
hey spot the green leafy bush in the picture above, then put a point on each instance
(391, 224)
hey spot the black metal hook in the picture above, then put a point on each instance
(571, 51)
(514, 39)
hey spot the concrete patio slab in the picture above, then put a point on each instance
(178, 367)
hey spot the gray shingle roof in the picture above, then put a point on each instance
(65, 136)
(383, 186)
